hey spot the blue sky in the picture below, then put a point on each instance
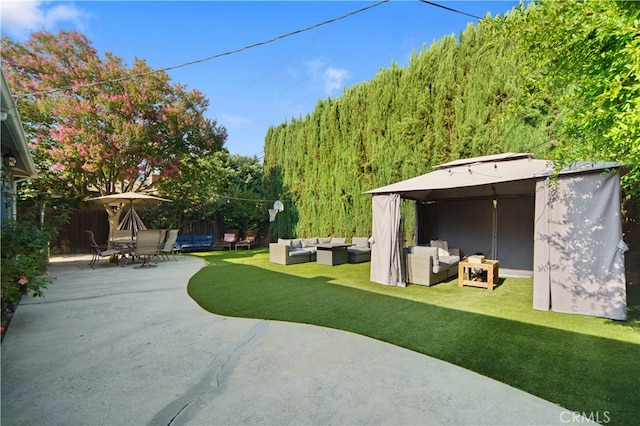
(262, 86)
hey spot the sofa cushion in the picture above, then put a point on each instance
(300, 252)
(284, 242)
(309, 242)
(324, 240)
(449, 260)
(203, 241)
(229, 238)
(360, 242)
(358, 250)
(442, 252)
(296, 243)
(338, 240)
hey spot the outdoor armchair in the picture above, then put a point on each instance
(427, 265)
(248, 240)
(229, 239)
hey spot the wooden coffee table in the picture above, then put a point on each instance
(491, 266)
(332, 254)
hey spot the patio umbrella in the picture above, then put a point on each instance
(130, 198)
(132, 221)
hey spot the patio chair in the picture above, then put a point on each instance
(248, 240)
(148, 246)
(118, 238)
(169, 246)
(228, 240)
(121, 234)
(99, 251)
(164, 233)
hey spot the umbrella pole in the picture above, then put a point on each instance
(131, 211)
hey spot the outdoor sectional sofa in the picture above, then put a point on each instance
(429, 265)
(301, 250)
(298, 250)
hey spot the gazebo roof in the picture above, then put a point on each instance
(502, 174)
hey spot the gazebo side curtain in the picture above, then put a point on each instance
(578, 247)
(386, 250)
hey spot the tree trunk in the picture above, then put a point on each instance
(114, 214)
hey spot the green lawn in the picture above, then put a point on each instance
(582, 363)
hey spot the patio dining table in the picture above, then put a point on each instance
(332, 254)
(126, 247)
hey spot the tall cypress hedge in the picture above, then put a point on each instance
(454, 99)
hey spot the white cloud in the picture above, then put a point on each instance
(20, 14)
(233, 120)
(19, 18)
(334, 79)
(314, 68)
(63, 13)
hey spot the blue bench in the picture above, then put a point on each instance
(194, 242)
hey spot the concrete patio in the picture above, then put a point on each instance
(124, 346)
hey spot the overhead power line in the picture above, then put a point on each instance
(219, 55)
(449, 9)
(253, 200)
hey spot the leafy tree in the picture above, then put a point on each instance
(193, 192)
(241, 205)
(588, 54)
(217, 186)
(108, 137)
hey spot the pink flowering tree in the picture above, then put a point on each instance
(99, 127)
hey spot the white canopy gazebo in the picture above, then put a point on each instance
(566, 232)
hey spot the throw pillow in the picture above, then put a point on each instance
(229, 238)
(440, 244)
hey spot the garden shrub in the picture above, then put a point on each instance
(24, 263)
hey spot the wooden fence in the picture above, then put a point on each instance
(73, 240)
